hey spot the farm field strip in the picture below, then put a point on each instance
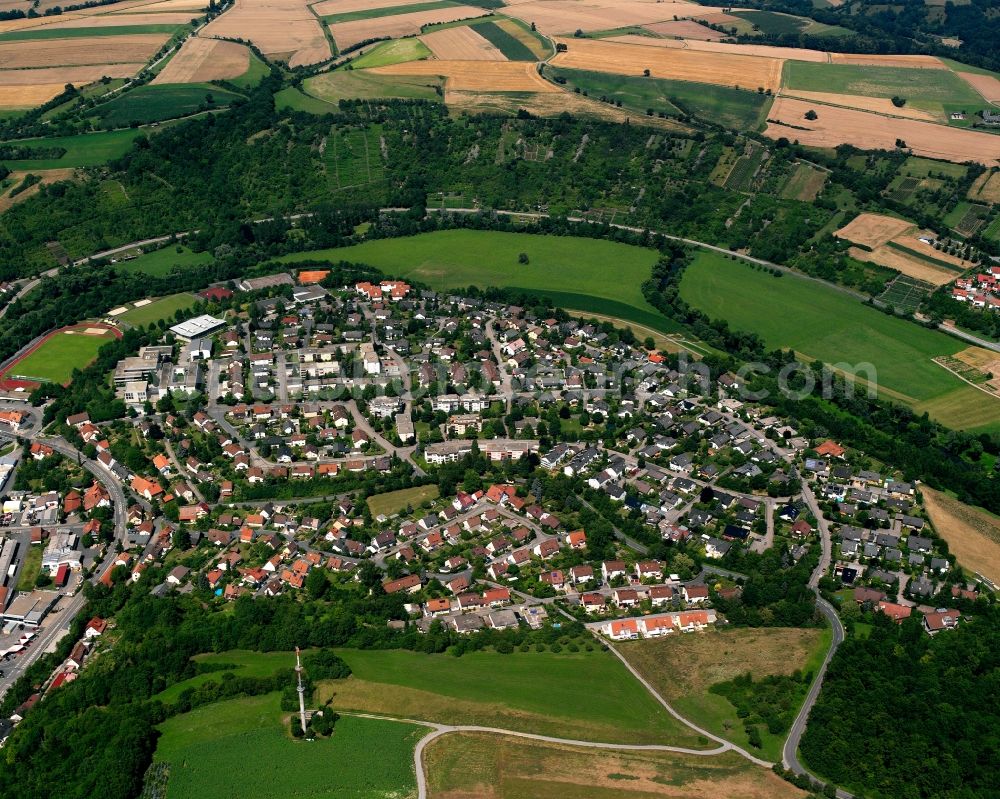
(973, 535)
(877, 105)
(461, 44)
(686, 28)
(282, 29)
(393, 52)
(328, 8)
(79, 51)
(488, 76)
(347, 34)
(760, 50)
(865, 130)
(200, 60)
(626, 59)
(987, 85)
(332, 87)
(911, 61)
(555, 17)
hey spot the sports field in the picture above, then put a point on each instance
(163, 308)
(584, 695)
(57, 356)
(242, 748)
(820, 322)
(586, 274)
(683, 668)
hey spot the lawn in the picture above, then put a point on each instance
(332, 87)
(820, 322)
(162, 308)
(683, 668)
(934, 86)
(721, 105)
(29, 569)
(83, 149)
(396, 51)
(164, 261)
(585, 695)
(395, 501)
(502, 767)
(150, 103)
(59, 355)
(241, 749)
(590, 275)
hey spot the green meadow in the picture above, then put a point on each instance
(162, 308)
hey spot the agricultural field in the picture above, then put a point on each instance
(743, 110)
(683, 668)
(822, 323)
(986, 188)
(770, 23)
(394, 52)
(331, 87)
(462, 43)
(164, 261)
(804, 184)
(156, 103)
(973, 534)
(154, 311)
(906, 293)
(554, 17)
(475, 76)
(765, 50)
(967, 219)
(395, 501)
(586, 695)
(725, 69)
(201, 60)
(835, 126)
(295, 100)
(353, 31)
(460, 258)
(55, 358)
(285, 30)
(515, 43)
(505, 767)
(208, 747)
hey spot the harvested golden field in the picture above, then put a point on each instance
(476, 76)
(986, 188)
(461, 44)
(986, 85)
(911, 61)
(201, 60)
(559, 16)
(766, 51)
(483, 766)
(28, 96)
(47, 176)
(685, 28)
(160, 7)
(871, 230)
(717, 17)
(78, 76)
(327, 8)
(874, 132)
(346, 34)
(722, 69)
(901, 262)
(911, 240)
(973, 535)
(878, 105)
(20, 24)
(283, 29)
(121, 20)
(79, 51)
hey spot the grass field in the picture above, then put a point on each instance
(162, 262)
(332, 87)
(683, 668)
(84, 149)
(396, 51)
(255, 73)
(500, 767)
(59, 355)
(804, 183)
(388, 11)
(722, 105)
(239, 661)
(150, 103)
(292, 99)
(505, 42)
(30, 568)
(242, 748)
(73, 33)
(395, 501)
(823, 323)
(973, 534)
(584, 695)
(917, 167)
(162, 308)
(605, 276)
(934, 86)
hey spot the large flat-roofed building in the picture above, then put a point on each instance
(141, 366)
(31, 608)
(198, 327)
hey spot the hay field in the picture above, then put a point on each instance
(973, 535)
(685, 28)
(28, 96)
(872, 131)
(78, 76)
(123, 20)
(201, 60)
(722, 69)
(558, 16)
(461, 44)
(346, 34)
(871, 230)
(986, 188)
(901, 262)
(477, 76)
(764, 50)
(911, 61)
(283, 29)
(986, 85)
(878, 105)
(327, 8)
(79, 51)
(160, 7)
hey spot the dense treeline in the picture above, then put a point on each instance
(903, 714)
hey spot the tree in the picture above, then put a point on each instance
(811, 115)
(522, 258)
(316, 583)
